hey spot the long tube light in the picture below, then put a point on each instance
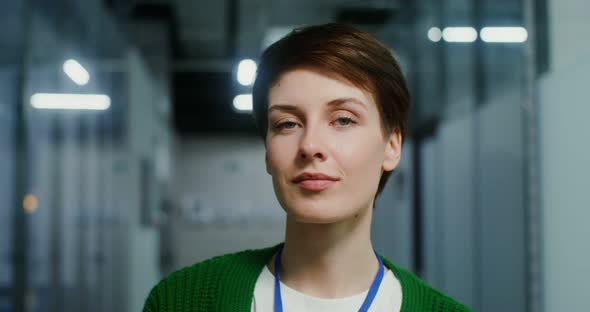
(487, 34)
(70, 101)
(459, 34)
(434, 34)
(246, 72)
(243, 102)
(503, 34)
(76, 72)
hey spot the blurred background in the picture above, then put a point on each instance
(127, 147)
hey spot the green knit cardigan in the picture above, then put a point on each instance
(226, 283)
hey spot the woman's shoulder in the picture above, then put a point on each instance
(420, 296)
(244, 259)
(202, 281)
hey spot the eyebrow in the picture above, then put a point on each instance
(335, 102)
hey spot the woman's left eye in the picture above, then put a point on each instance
(344, 121)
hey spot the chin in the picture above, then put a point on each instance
(330, 206)
(315, 219)
(318, 212)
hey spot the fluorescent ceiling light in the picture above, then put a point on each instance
(246, 72)
(70, 101)
(459, 34)
(434, 34)
(243, 102)
(503, 34)
(76, 72)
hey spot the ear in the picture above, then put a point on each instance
(393, 150)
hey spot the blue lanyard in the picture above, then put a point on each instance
(366, 304)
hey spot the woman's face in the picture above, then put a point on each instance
(320, 125)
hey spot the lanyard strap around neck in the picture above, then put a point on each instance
(366, 304)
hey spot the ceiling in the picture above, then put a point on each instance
(208, 38)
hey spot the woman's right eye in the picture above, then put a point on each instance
(286, 125)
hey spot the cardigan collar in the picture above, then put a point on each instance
(252, 263)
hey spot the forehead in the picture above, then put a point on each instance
(307, 86)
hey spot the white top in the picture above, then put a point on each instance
(389, 297)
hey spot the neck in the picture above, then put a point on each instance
(329, 260)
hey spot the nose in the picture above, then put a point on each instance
(311, 145)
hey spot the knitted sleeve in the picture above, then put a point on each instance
(151, 303)
(188, 289)
(223, 283)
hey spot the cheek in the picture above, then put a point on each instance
(279, 154)
(363, 159)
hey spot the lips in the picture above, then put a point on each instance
(312, 181)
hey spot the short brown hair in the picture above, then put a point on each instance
(346, 52)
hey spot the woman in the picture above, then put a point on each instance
(331, 105)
